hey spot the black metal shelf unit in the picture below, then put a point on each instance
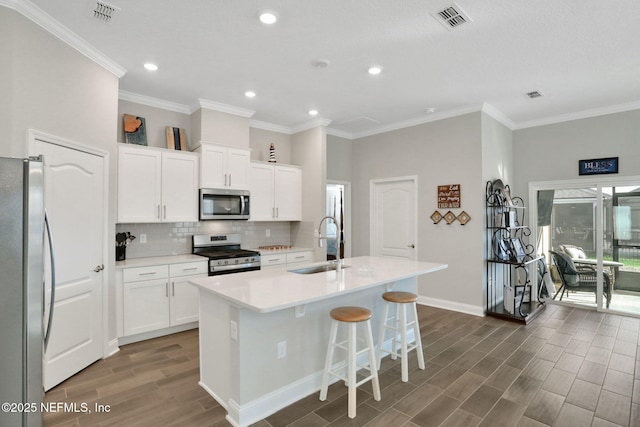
(509, 258)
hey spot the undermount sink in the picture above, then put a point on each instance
(317, 269)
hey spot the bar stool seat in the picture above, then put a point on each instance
(347, 369)
(398, 324)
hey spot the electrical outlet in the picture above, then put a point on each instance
(282, 349)
(268, 233)
(143, 238)
(233, 330)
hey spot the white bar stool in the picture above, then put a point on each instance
(398, 324)
(350, 316)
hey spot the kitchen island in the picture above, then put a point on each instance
(263, 334)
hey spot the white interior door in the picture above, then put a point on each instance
(74, 200)
(393, 218)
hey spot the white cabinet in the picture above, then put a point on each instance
(156, 185)
(295, 258)
(276, 192)
(285, 260)
(224, 167)
(160, 296)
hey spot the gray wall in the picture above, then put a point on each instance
(448, 151)
(261, 139)
(551, 152)
(339, 158)
(56, 90)
(156, 121)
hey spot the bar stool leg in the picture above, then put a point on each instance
(373, 367)
(383, 328)
(351, 375)
(404, 362)
(329, 361)
(416, 332)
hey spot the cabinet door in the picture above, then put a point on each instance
(261, 180)
(273, 261)
(213, 165)
(184, 300)
(238, 162)
(288, 193)
(139, 184)
(179, 187)
(146, 306)
(297, 258)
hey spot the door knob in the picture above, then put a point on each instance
(411, 246)
(99, 268)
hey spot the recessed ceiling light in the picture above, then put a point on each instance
(375, 70)
(151, 67)
(250, 94)
(268, 17)
(313, 112)
(431, 110)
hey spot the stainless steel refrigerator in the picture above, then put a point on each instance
(22, 326)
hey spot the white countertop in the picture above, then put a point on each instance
(271, 290)
(159, 260)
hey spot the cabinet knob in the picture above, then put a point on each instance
(412, 246)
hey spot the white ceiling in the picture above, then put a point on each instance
(582, 55)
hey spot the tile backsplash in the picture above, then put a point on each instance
(175, 238)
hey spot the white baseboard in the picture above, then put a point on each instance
(452, 305)
(112, 348)
(157, 333)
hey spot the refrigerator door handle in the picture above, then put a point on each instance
(53, 280)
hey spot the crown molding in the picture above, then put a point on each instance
(619, 108)
(496, 114)
(310, 125)
(224, 108)
(153, 102)
(257, 124)
(419, 121)
(339, 133)
(57, 29)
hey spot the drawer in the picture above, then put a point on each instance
(277, 259)
(145, 273)
(188, 268)
(296, 257)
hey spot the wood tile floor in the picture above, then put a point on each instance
(569, 367)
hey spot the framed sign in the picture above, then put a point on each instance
(598, 166)
(449, 196)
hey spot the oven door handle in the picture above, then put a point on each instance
(233, 267)
(242, 204)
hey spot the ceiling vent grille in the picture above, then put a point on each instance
(103, 12)
(534, 94)
(452, 17)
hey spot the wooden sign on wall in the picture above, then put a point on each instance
(449, 196)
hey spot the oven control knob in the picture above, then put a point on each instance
(226, 262)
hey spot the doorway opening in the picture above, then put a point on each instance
(591, 236)
(338, 205)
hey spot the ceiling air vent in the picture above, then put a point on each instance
(534, 94)
(103, 12)
(452, 17)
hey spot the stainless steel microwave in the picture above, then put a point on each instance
(223, 204)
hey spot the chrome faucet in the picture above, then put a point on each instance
(337, 239)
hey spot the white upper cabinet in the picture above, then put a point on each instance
(224, 167)
(276, 192)
(156, 185)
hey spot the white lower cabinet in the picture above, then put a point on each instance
(160, 296)
(285, 260)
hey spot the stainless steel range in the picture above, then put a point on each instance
(224, 253)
